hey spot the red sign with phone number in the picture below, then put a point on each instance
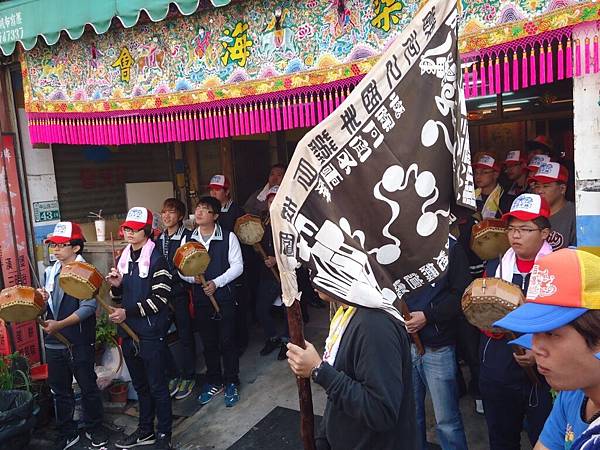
(13, 250)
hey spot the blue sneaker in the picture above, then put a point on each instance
(232, 395)
(208, 392)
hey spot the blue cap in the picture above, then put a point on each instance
(524, 341)
(538, 318)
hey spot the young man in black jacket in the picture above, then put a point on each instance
(141, 284)
(76, 320)
(370, 401)
(434, 312)
(174, 236)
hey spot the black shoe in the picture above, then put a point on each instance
(136, 439)
(282, 352)
(270, 345)
(163, 442)
(97, 436)
(67, 442)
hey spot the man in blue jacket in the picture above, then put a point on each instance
(434, 314)
(141, 284)
(76, 320)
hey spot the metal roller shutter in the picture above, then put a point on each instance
(93, 178)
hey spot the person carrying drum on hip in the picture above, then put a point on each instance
(220, 188)
(76, 320)
(182, 380)
(508, 395)
(141, 284)
(217, 327)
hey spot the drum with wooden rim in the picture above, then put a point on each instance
(489, 239)
(21, 304)
(487, 300)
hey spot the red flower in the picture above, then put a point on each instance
(157, 102)
(287, 82)
(355, 69)
(211, 95)
(106, 106)
(530, 28)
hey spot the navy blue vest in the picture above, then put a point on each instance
(179, 287)
(136, 289)
(497, 361)
(83, 333)
(219, 263)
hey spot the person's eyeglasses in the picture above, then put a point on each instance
(521, 231)
(130, 230)
(204, 209)
(55, 245)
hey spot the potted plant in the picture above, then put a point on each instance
(106, 335)
(118, 391)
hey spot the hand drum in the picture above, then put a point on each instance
(191, 259)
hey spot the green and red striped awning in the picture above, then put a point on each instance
(25, 20)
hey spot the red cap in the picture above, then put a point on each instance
(272, 191)
(219, 182)
(527, 207)
(65, 232)
(542, 142)
(551, 172)
(515, 157)
(486, 161)
(536, 161)
(137, 218)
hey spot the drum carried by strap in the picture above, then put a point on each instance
(489, 239)
(250, 230)
(192, 260)
(82, 281)
(487, 300)
(22, 304)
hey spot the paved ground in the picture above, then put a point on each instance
(266, 384)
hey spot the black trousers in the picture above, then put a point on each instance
(467, 346)
(148, 375)
(61, 370)
(508, 407)
(185, 332)
(243, 295)
(218, 339)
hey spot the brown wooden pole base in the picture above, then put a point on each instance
(307, 417)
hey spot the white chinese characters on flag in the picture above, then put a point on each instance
(365, 202)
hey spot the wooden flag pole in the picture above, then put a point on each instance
(307, 417)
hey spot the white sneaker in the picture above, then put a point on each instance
(479, 406)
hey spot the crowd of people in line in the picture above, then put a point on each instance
(376, 380)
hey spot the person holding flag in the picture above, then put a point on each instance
(365, 206)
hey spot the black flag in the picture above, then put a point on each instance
(365, 202)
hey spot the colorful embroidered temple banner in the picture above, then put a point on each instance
(257, 66)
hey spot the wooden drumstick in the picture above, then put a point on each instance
(531, 374)
(58, 335)
(109, 309)
(259, 248)
(415, 336)
(211, 297)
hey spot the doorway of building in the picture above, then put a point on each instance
(251, 163)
